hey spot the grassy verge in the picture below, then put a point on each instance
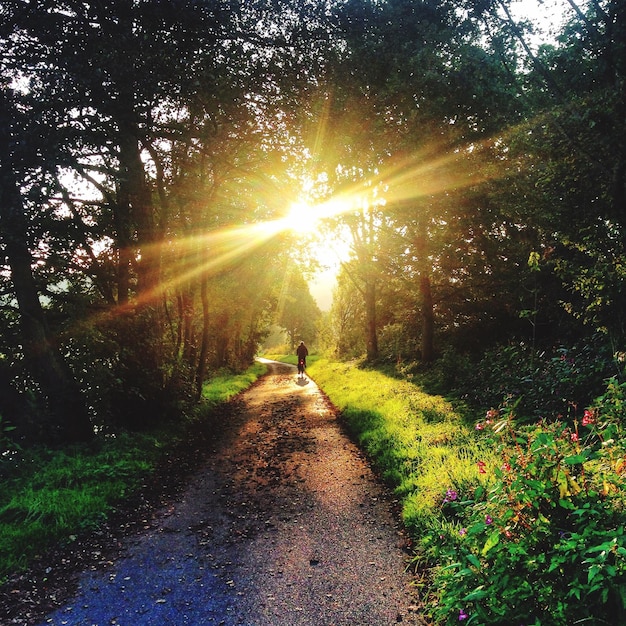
(418, 442)
(514, 524)
(224, 387)
(292, 359)
(47, 496)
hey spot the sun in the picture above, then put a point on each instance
(327, 246)
(302, 217)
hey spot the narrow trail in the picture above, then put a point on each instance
(284, 524)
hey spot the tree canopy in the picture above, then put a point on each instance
(150, 152)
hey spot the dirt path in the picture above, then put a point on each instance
(283, 525)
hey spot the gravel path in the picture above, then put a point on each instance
(284, 524)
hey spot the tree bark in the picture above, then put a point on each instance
(428, 320)
(371, 339)
(425, 290)
(204, 346)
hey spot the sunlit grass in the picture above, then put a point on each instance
(225, 387)
(418, 442)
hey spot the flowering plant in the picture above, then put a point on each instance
(543, 543)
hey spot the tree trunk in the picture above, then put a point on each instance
(204, 346)
(68, 412)
(371, 339)
(147, 350)
(425, 290)
(428, 320)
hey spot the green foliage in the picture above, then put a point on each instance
(544, 542)
(6, 442)
(513, 524)
(546, 384)
(51, 495)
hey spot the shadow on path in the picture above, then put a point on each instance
(284, 524)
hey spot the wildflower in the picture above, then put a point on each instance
(481, 467)
(480, 426)
(574, 436)
(451, 495)
(462, 615)
(506, 466)
(492, 414)
(488, 519)
(463, 532)
(588, 417)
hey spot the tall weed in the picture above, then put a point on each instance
(513, 523)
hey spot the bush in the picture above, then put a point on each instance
(547, 384)
(544, 542)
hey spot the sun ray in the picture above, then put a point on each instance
(425, 173)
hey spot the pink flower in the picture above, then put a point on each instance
(481, 467)
(488, 519)
(463, 531)
(451, 495)
(506, 466)
(588, 417)
(462, 615)
(574, 436)
(480, 426)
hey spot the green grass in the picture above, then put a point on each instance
(418, 442)
(292, 359)
(224, 387)
(51, 496)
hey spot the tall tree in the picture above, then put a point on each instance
(151, 105)
(415, 91)
(69, 418)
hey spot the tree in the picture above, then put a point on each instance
(69, 418)
(427, 92)
(298, 312)
(157, 112)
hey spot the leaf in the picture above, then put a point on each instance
(473, 559)
(478, 594)
(573, 486)
(563, 486)
(492, 541)
(594, 570)
(575, 459)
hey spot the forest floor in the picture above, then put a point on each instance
(276, 521)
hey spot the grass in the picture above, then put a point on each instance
(224, 387)
(292, 359)
(53, 495)
(418, 442)
(49, 496)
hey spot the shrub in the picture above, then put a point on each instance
(543, 543)
(546, 383)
